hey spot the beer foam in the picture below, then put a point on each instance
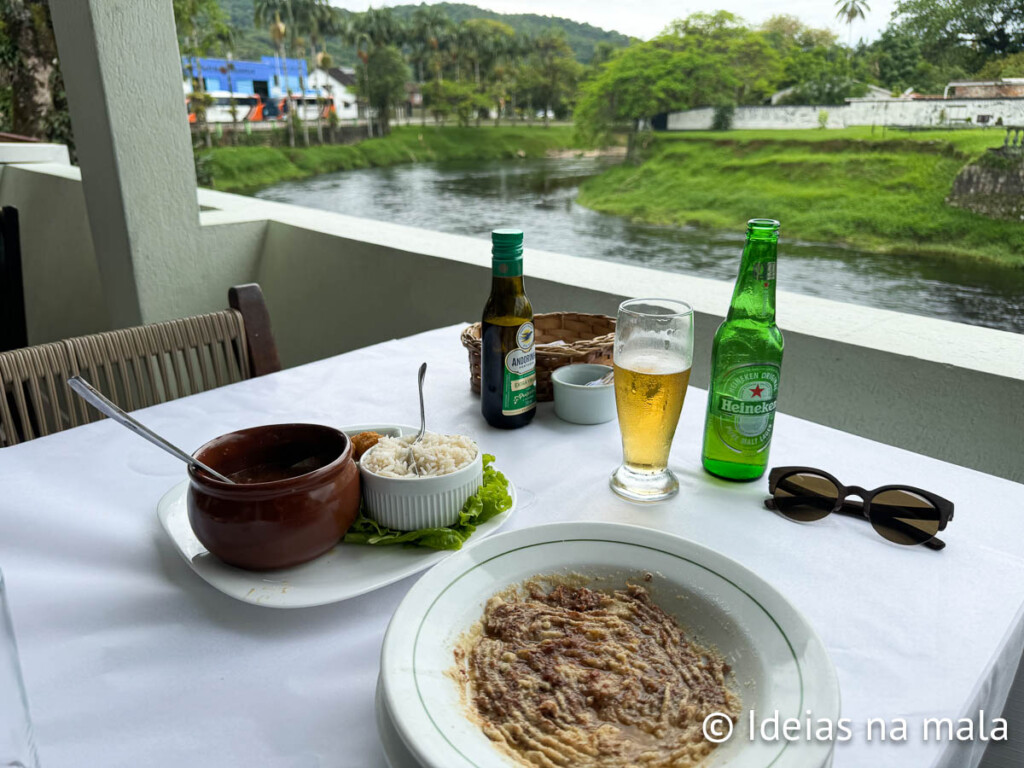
(660, 361)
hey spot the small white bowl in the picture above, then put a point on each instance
(411, 503)
(577, 403)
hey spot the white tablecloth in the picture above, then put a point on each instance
(131, 660)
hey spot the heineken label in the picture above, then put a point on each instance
(743, 407)
(519, 388)
(763, 270)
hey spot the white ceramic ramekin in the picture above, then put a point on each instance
(577, 403)
(411, 503)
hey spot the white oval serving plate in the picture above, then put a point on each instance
(346, 571)
(779, 662)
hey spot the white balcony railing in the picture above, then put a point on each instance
(335, 283)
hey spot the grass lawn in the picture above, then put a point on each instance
(876, 192)
(246, 169)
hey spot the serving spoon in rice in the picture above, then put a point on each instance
(423, 422)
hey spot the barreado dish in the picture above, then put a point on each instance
(565, 675)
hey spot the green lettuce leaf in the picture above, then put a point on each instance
(492, 499)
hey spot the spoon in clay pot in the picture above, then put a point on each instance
(93, 397)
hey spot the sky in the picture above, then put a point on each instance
(645, 18)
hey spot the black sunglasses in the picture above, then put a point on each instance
(900, 513)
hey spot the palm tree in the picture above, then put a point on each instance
(518, 50)
(547, 46)
(298, 46)
(309, 20)
(453, 44)
(426, 35)
(353, 34)
(203, 29)
(498, 45)
(324, 21)
(850, 11)
(555, 70)
(376, 27)
(265, 11)
(474, 40)
(447, 36)
(226, 70)
(503, 51)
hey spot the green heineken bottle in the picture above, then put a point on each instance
(746, 360)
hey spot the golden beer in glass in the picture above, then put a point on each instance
(653, 356)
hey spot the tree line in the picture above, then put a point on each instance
(482, 67)
(468, 70)
(717, 59)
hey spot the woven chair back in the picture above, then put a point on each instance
(34, 396)
(134, 367)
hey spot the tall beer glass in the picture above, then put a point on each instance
(653, 355)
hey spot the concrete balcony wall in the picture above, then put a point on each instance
(935, 387)
(63, 286)
(335, 283)
(63, 293)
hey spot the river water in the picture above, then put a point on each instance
(539, 195)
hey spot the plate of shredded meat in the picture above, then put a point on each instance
(600, 645)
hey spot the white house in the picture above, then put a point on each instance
(339, 83)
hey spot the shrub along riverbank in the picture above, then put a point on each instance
(246, 169)
(881, 193)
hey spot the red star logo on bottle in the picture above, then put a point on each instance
(757, 391)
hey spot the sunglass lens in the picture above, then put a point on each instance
(805, 497)
(904, 517)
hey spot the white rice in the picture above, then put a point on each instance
(434, 454)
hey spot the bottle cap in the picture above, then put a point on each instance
(507, 244)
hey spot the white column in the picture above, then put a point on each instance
(122, 69)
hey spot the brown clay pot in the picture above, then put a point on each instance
(278, 522)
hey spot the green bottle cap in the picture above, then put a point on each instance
(507, 244)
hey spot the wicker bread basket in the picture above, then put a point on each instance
(588, 339)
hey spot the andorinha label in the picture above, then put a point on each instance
(743, 407)
(520, 361)
(519, 390)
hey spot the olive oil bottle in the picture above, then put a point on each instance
(508, 384)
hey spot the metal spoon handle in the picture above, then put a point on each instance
(423, 422)
(93, 397)
(423, 413)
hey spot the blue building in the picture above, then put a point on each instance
(265, 78)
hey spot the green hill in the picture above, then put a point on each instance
(252, 43)
(582, 37)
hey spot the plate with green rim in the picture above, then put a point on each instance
(778, 662)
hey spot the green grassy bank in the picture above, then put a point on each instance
(876, 192)
(246, 169)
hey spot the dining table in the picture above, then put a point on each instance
(130, 659)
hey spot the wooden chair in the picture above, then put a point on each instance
(13, 334)
(135, 367)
